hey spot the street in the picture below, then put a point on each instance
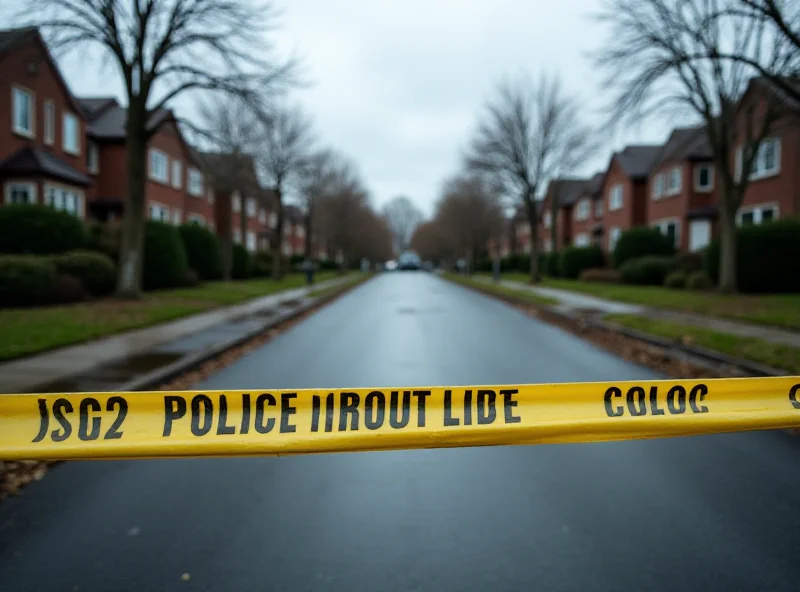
(701, 513)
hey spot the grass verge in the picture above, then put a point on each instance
(34, 330)
(521, 293)
(750, 348)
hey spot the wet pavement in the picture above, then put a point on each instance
(702, 513)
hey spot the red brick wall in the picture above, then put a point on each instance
(112, 178)
(167, 140)
(669, 207)
(623, 217)
(583, 226)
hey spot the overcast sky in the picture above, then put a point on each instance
(398, 85)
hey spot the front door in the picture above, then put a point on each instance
(699, 234)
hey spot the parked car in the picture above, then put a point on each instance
(409, 261)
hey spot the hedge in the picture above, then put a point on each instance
(39, 230)
(104, 237)
(767, 257)
(262, 264)
(676, 279)
(601, 275)
(202, 251)
(640, 242)
(574, 260)
(699, 280)
(26, 280)
(647, 271)
(164, 257)
(328, 265)
(96, 271)
(242, 263)
(552, 264)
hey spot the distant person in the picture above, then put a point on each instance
(496, 269)
(309, 267)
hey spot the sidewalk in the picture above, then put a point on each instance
(173, 339)
(582, 303)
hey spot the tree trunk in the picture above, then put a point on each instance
(309, 238)
(277, 271)
(727, 251)
(531, 211)
(554, 224)
(243, 218)
(225, 233)
(129, 277)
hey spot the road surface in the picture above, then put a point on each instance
(704, 513)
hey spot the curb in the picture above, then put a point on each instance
(670, 347)
(161, 375)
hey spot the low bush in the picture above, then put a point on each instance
(190, 278)
(601, 275)
(202, 251)
(39, 230)
(552, 264)
(296, 261)
(67, 289)
(96, 271)
(574, 260)
(640, 242)
(676, 279)
(699, 280)
(104, 237)
(262, 264)
(242, 263)
(688, 262)
(26, 280)
(328, 265)
(164, 257)
(767, 257)
(523, 263)
(647, 271)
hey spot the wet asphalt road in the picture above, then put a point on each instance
(705, 513)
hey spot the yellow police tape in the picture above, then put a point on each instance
(255, 422)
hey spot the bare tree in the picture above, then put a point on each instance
(402, 216)
(230, 126)
(163, 49)
(317, 180)
(283, 156)
(663, 56)
(527, 134)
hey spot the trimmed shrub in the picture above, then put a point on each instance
(26, 280)
(552, 265)
(262, 264)
(510, 263)
(104, 237)
(190, 278)
(328, 265)
(676, 279)
(296, 260)
(574, 260)
(699, 280)
(96, 271)
(640, 242)
(39, 230)
(202, 251)
(601, 275)
(647, 271)
(242, 263)
(523, 263)
(164, 257)
(688, 262)
(767, 257)
(67, 289)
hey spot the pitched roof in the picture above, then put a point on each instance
(92, 106)
(690, 143)
(567, 190)
(10, 38)
(222, 168)
(637, 161)
(33, 161)
(107, 118)
(293, 213)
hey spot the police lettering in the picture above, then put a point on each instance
(484, 407)
(794, 396)
(89, 419)
(349, 411)
(637, 402)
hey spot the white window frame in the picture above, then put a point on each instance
(704, 188)
(93, 158)
(236, 202)
(262, 216)
(251, 207)
(583, 210)
(301, 232)
(28, 133)
(759, 171)
(51, 198)
(598, 208)
(66, 140)
(658, 186)
(273, 220)
(758, 212)
(674, 173)
(237, 236)
(177, 174)
(164, 213)
(613, 236)
(582, 239)
(547, 220)
(10, 185)
(251, 241)
(662, 225)
(157, 175)
(614, 195)
(49, 122)
(195, 182)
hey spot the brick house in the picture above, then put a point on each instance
(44, 158)
(294, 236)
(571, 211)
(682, 190)
(586, 221)
(624, 191)
(175, 189)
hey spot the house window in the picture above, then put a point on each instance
(547, 219)
(237, 205)
(64, 199)
(615, 198)
(159, 166)
(251, 207)
(49, 122)
(251, 241)
(237, 235)
(72, 137)
(262, 216)
(195, 183)
(20, 193)
(287, 249)
(582, 240)
(767, 161)
(93, 158)
(301, 232)
(159, 213)
(658, 186)
(671, 229)
(583, 209)
(703, 177)
(613, 237)
(273, 220)
(598, 208)
(23, 111)
(177, 174)
(674, 182)
(176, 217)
(757, 214)
(196, 219)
